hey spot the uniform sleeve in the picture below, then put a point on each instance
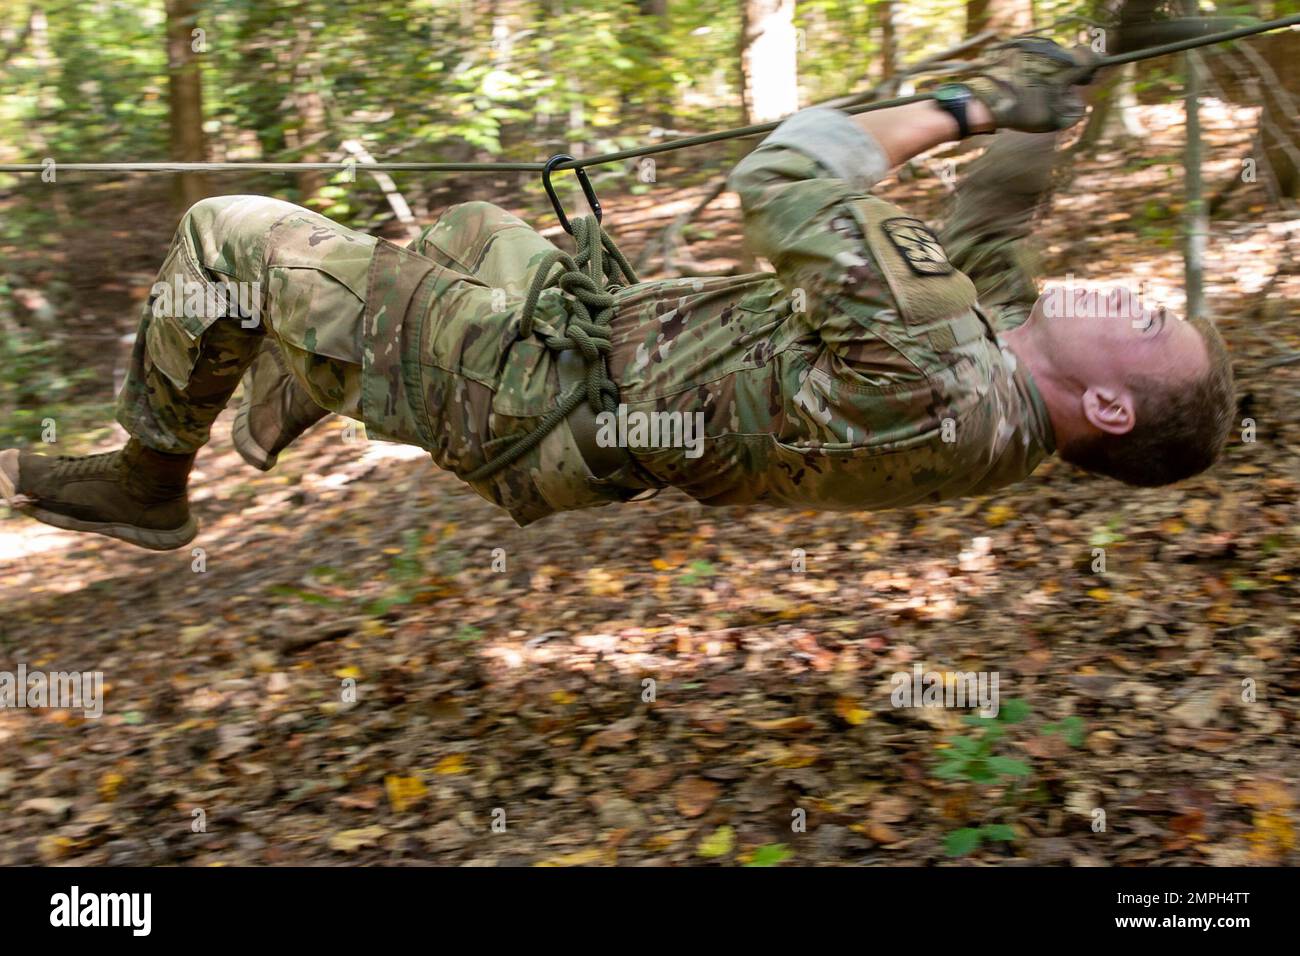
(988, 231)
(796, 191)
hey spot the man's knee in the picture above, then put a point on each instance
(228, 234)
(463, 228)
(480, 211)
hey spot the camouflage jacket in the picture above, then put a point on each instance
(860, 375)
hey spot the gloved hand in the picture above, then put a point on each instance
(1028, 84)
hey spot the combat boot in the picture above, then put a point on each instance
(274, 412)
(134, 494)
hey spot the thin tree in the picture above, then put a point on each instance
(769, 75)
(185, 97)
(1197, 224)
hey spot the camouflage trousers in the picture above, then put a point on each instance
(357, 319)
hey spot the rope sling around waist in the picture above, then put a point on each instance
(589, 280)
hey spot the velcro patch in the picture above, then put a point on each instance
(918, 245)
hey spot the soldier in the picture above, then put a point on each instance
(879, 366)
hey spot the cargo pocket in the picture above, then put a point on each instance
(317, 273)
(313, 310)
(522, 390)
(182, 304)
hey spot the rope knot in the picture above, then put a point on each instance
(587, 280)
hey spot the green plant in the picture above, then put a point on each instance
(697, 570)
(1071, 728)
(770, 854)
(967, 839)
(974, 759)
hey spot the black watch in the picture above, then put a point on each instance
(953, 99)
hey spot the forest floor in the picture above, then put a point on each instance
(502, 713)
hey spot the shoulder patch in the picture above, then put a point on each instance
(918, 245)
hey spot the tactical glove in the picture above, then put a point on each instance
(1028, 84)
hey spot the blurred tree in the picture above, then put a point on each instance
(185, 97)
(1004, 17)
(769, 79)
(886, 14)
(1277, 59)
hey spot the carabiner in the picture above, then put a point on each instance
(587, 191)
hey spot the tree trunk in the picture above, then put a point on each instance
(1197, 224)
(885, 12)
(185, 99)
(1004, 17)
(309, 105)
(1279, 132)
(769, 76)
(1114, 109)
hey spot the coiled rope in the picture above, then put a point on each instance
(590, 278)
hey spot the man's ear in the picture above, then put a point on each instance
(1109, 410)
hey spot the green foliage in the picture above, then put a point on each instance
(406, 576)
(697, 570)
(1110, 534)
(975, 760)
(968, 839)
(468, 633)
(36, 384)
(1072, 729)
(770, 854)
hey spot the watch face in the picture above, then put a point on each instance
(951, 92)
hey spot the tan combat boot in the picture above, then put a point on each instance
(274, 412)
(134, 494)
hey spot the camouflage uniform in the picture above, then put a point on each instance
(862, 374)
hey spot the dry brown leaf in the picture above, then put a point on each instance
(694, 795)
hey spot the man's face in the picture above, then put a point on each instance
(1107, 336)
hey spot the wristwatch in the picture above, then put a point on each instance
(953, 99)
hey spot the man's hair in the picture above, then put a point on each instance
(1181, 426)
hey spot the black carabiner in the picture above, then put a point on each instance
(587, 191)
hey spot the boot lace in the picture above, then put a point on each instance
(102, 465)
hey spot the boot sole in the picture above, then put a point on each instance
(151, 538)
(248, 449)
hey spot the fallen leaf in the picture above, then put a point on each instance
(718, 843)
(694, 795)
(348, 841)
(847, 709)
(607, 856)
(53, 806)
(784, 725)
(403, 792)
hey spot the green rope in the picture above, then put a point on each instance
(589, 279)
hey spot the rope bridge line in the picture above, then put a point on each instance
(673, 144)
